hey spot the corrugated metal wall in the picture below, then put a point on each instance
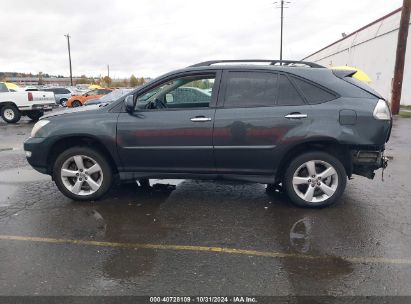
(372, 50)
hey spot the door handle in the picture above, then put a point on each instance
(200, 119)
(296, 116)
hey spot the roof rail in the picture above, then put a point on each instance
(271, 62)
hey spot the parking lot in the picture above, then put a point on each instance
(203, 237)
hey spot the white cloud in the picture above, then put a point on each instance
(151, 37)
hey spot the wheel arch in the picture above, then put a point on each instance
(78, 141)
(5, 103)
(328, 145)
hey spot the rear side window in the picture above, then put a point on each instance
(61, 91)
(250, 89)
(313, 93)
(288, 95)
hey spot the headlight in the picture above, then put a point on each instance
(382, 111)
(38, 126)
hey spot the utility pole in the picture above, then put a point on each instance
(108, 70)
(282, 21)
(400, 57)
(68, 46)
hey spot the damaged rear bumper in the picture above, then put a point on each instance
(365, 162)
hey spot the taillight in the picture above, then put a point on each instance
(382, 111)
(30, 95)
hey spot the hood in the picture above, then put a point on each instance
(70, 111)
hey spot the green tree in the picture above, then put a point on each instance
(133, 81)
(83, 80)
(107, 81)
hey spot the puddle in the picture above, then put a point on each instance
(22, 175)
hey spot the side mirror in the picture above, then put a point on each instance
(129, 103)
(169, 97)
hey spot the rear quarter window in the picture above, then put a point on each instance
(313, 93)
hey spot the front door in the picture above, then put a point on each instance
(170, 130)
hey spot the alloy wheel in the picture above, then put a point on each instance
(81, 175)
(315, 181)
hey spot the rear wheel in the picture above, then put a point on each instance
(10, 113)
(76, 103)
(315, 180)
(35, 115)
(81, 174)
(63, 102)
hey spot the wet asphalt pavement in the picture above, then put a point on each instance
(360, 246)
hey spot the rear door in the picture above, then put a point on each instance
(253, 120)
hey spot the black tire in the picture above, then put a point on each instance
(107, 175)
(35, 115)
(10, 113)
(335, 182)
(76, 103)
(144, 183)
(63, 102)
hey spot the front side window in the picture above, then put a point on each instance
(185, 92)
(250, 89)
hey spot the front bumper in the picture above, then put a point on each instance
(36, 155)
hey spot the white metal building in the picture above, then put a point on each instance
(372, 48)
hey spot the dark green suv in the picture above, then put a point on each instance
(292, 123)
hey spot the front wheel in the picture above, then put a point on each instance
(82, 174)
(315, 180)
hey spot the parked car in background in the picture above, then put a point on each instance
(61, 95)
(14, 104)
(79, 100)
(290, 123)
(110, 97)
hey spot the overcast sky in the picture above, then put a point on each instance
(151, 37)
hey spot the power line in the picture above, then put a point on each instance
(282, 18)
(68, 46)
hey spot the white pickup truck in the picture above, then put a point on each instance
(33, 104)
